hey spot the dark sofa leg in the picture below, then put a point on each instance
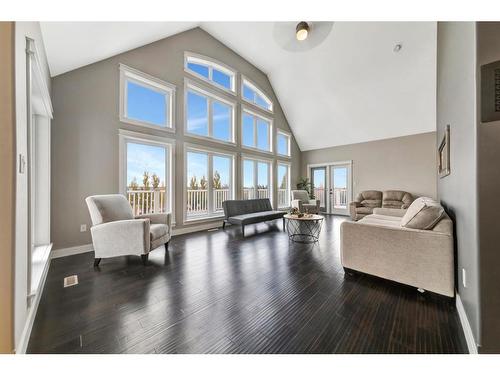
(224, 225)
(166, 245)
(349, 272)
(284, 225)
(145, 259)
(243, 230)
(96, 262)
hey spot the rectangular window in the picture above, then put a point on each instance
(209, 177)
(257, 179)
(283, 143)
(256, 131)
(211, 71)
(252, 94)
(146, 173)
(283, 174)
(145, 100)
(208, 115)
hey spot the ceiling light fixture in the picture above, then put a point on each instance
(302, 31)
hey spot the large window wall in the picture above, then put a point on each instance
(229, 146)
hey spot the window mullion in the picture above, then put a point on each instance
(255, 140)
(210, 184)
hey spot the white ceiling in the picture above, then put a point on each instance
(351, 88)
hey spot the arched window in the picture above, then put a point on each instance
(252, 94)
(210, 70)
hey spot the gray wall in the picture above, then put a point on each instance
(85, 143)
(407, 163)
(488, 154)
(456, 105)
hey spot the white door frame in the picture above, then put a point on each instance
(328, 166)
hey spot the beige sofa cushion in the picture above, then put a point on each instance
(396, 199)
(423, 213)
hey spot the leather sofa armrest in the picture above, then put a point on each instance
(352, 209)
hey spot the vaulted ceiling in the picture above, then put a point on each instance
(352, 87)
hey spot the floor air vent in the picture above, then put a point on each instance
(70, 280)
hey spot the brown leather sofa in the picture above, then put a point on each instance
(367, 200)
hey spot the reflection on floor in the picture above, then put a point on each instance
(214, 292)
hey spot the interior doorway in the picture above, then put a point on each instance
(332, 185)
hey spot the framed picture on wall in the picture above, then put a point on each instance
(444, 154)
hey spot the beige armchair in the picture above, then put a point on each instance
(116, 232)
(301, 200)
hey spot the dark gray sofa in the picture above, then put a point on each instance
(250, 211)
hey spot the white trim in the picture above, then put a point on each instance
(214, 223)
(166, 88)
(32, 50)
(68, 251)
(211, 97)
(258, 91)
(469, 336)
(210, 63)
(147, 139)
(30, 319)
(255, 115)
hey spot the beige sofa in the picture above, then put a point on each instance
(389, 245)
(367, 200)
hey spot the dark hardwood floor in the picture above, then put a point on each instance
(214, 292)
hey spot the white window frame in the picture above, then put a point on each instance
(168, 89)
(289, 169)
(289, 143)
(211, 97)
(253, 86)
(244, 110)
(126, 136)
(190, 147)
(211, 64)
(256, 160)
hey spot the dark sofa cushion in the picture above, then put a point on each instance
(241, 207)
(256, 217)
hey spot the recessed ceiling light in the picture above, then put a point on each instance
(302, 31)
(397, 47)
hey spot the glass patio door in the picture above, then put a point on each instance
(340, 189)
(319, 186)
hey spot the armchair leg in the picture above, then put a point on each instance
(243, 230)
(145, 259)
(166, 245)
(224, 225)
(96, 262)
(284, 225)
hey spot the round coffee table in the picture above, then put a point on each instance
(305, 229)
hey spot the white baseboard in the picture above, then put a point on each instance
(30, 320)
(196, 228)
(469, 336)
(71, 251)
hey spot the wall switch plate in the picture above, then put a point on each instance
(83, 228)
(464, 277)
